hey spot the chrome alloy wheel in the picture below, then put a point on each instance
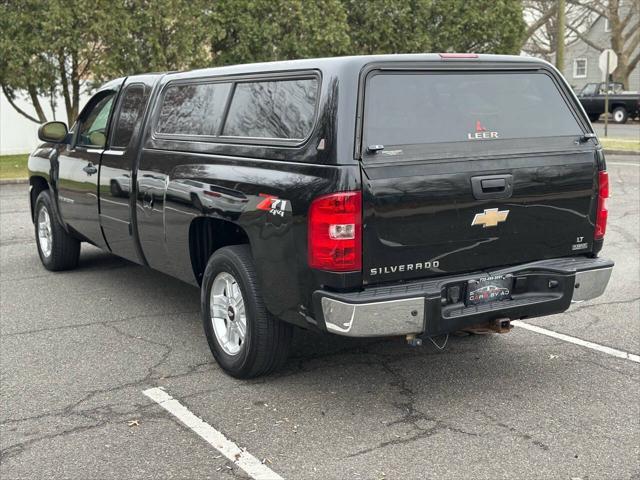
(228, 314)
(44, 232)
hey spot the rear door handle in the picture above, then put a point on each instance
(492, 186)
(90, 169)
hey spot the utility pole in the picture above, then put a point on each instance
(560, 36)
(606, 95)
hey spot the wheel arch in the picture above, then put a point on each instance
(37, 185)
(206, 235)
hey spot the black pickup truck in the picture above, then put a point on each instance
(402, 195)
(622, 105)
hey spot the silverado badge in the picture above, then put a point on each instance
(490, 217)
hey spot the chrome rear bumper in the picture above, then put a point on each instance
(419, 307)
(378, 319)
(590, 284)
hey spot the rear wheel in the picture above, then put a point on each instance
(244, 338)
(593, 117)
(620, 115)
(57, 249)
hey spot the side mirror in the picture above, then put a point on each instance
(53, 132)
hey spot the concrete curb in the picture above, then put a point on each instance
(621, 152)
(13, 181)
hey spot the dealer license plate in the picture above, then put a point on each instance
(489, 289)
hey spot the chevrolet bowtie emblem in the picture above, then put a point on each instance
(490, 217)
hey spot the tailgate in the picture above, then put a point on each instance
(470, 171)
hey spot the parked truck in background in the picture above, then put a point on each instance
(622, 105)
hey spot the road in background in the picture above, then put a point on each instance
(626, 131)
(77, 350)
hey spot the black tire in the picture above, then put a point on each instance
(116, 191)
(64, 250)
(267, 340)
(593, 117)
(620, 115)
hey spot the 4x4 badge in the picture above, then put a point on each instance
(274, 205)
(491, 217)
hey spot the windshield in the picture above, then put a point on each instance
(589, 89)
(419, 108)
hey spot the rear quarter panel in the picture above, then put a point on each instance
(239, 191)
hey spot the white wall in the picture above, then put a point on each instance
(17, 133)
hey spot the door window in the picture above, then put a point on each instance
(93, 124)
(133, 102)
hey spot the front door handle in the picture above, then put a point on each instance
(90, 169)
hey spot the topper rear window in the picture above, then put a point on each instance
(425, 108)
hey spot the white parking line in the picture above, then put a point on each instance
(578, 341)
(243, 459)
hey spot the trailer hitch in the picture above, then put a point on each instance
(499, 325)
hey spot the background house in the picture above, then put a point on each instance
(581, 59)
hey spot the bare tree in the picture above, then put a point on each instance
(624, 22)
(560, 36)
(542, 35)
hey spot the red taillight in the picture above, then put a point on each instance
(335, 232)
(602, 213)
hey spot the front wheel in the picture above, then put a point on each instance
(620, 115)
(57, 249)
(244, 338)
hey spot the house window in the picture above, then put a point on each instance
(580, 68)
(607, 25)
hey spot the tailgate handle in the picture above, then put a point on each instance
(492, 186)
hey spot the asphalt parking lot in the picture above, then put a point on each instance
(78, 349)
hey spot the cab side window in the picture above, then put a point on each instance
(93, 124)
(134, 99)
